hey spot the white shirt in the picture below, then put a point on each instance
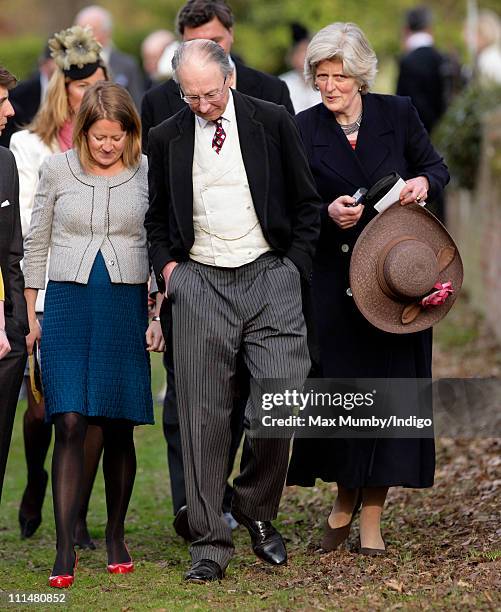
(303, 96)
(30, 152)
(417, 40)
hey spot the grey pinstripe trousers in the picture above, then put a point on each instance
(216, 313)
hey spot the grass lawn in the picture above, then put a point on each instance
(443, 543)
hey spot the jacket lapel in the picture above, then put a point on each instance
(254, 152)
(334, 150)
(181, 172)
(373, 144)
(375, 137)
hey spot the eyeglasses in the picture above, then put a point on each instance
(212, 96)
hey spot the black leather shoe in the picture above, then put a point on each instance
(29, 524)
(267, 543)
(181, 525)
(205, 570)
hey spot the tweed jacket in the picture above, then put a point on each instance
(76, 215)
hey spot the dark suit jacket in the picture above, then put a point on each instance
(25, 99)
(423, 77)
(280, 182)
(11, 246)
(126, 72)
(163, 101)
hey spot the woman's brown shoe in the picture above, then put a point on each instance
(373, 552)
(333, 537)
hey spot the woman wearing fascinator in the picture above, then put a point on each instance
(78, 66)
(354, 139)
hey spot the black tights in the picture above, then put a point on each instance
(37, 436)
(119, 468)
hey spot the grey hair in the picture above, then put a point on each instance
(347, 43)
(204, 51)
(95, 10)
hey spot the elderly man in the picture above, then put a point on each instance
(12, 341)
(232, 224)
(212, 20)
(124, 68)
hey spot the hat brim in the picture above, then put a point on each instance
(382, 311)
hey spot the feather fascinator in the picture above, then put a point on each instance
(76, 52)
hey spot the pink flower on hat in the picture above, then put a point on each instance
(437, 298)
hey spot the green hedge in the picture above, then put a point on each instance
(459, 134)
(20, 55)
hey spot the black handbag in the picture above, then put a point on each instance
(381, 188)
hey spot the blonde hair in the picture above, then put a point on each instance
(347, 43)
(55, 109)
(106, 100)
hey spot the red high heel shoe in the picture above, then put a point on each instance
(121, 568)
(64, 580)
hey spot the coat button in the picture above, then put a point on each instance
(345, 248)
(348, 292)
(111, 262)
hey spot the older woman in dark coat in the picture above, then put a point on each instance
(353, 139)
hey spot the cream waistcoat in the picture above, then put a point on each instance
(227, 230)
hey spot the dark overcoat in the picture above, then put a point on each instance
(391, 138)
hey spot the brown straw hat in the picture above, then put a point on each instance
(405, 271)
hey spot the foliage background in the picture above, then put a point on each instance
(262, 33)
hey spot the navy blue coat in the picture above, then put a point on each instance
(391, 138)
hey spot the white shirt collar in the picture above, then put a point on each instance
(228, 115)
(419, 39)
(106, 54)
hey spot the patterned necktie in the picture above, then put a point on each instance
(219, 136)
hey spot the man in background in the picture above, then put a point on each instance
(124, 68)
(153, 49)
(28, 95)
(12, 336)
(303, 96)
(424, 73)
(426, 76)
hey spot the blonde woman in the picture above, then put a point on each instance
(51, 132)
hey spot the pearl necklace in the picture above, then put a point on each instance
(351, 128)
